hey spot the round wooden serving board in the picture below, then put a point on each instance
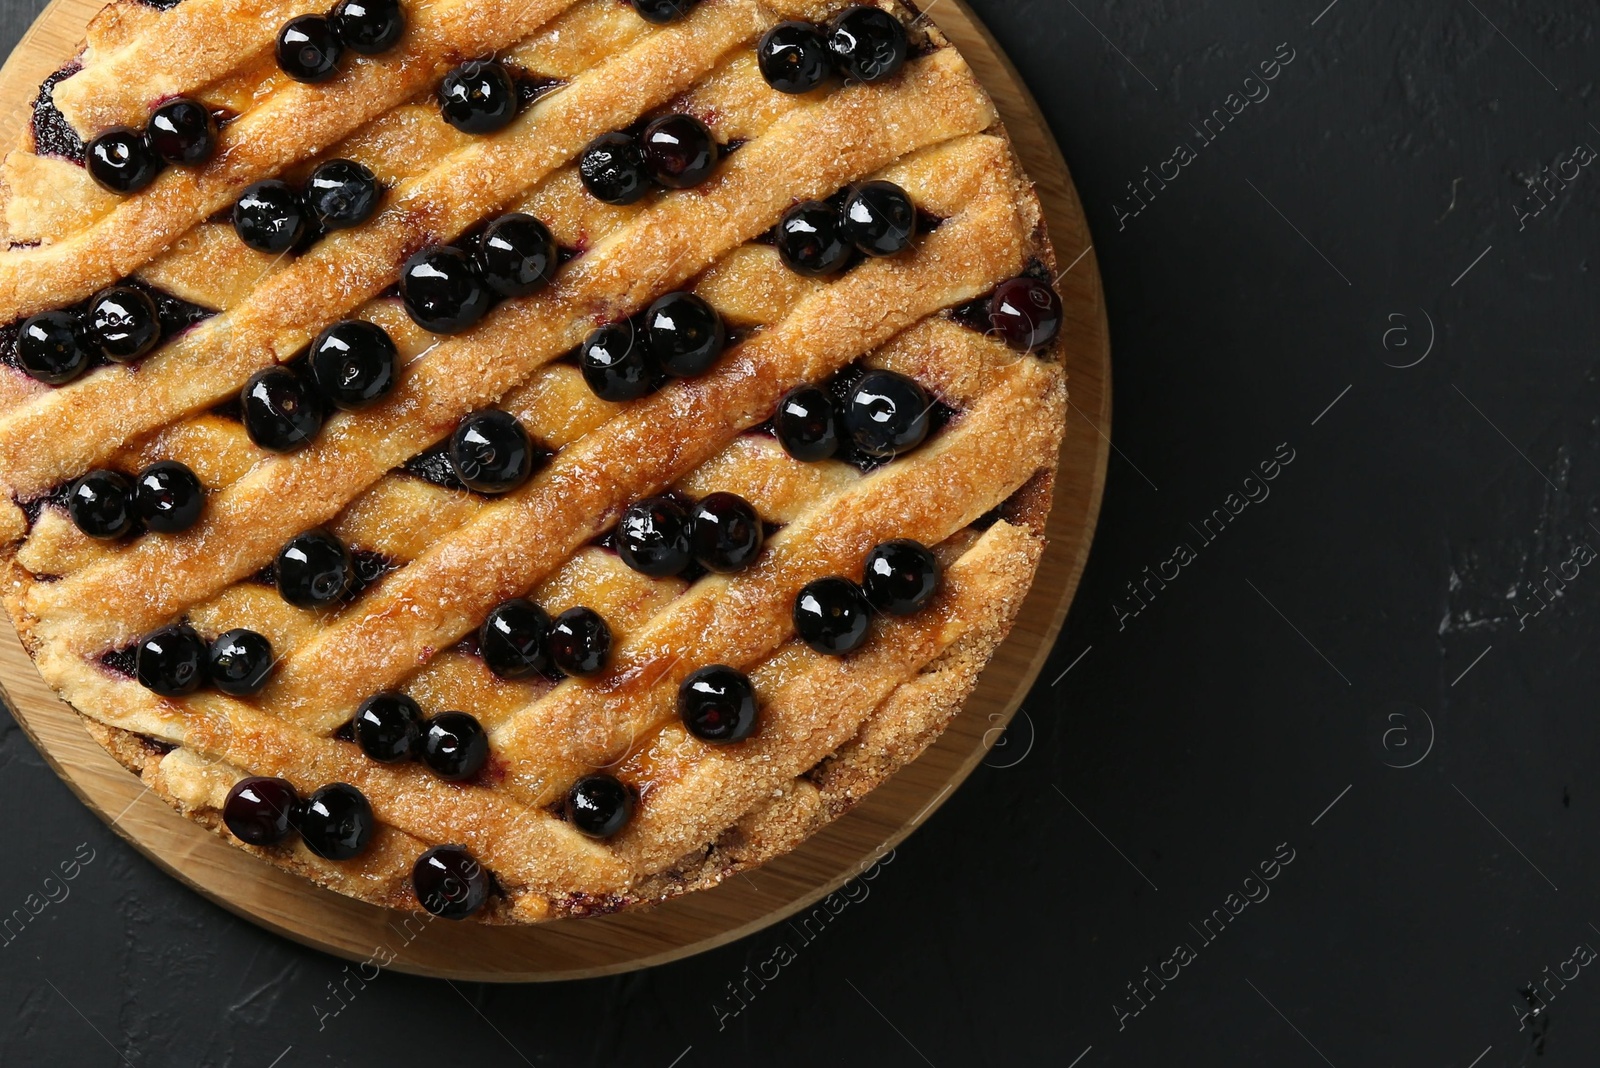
(570, 949)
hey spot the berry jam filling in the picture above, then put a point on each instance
(161, 5)
(534, 87)
(52, 134)
(433, 466)
(121, 662)
(55, 497)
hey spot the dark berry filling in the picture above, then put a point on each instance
(433, 465)
(52, 134)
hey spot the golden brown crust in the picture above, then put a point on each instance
(832, 729)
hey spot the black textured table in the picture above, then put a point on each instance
(1310, 778)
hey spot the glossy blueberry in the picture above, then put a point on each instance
(868, 43)
(879, 218)
(1026, 313)
(887, 414)
(517, 255)
(580, 641)
(900, 577)
(269, 216)
(388, 727)
(513, 639)
(308, 51)
(441, 290)
(725, 533)
(239, 662)
(832, 616)
(718, 704)
(314, 570)
(281, 410)
(370, 27)
(685, 334)
(478, 97)
(794, 58)
(342, 193)
(168, 497)
(171, 661)
(653, 537)
(807, 424)
(811, 241)
(679, 151)
(122, 161)
(122, 323)
(101, 504)
(617, 363)
(260, 810)
(449, 882)
(662, 11)
(336, 822)
(354, 363)
(490, 452)
(599, 805)
(51, 347)
(455, 746)
(613, 170)
(183, 132)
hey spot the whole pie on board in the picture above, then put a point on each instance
(520, 458)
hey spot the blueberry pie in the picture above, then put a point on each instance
(520, 458)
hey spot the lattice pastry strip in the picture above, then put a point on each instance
(830, 727)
